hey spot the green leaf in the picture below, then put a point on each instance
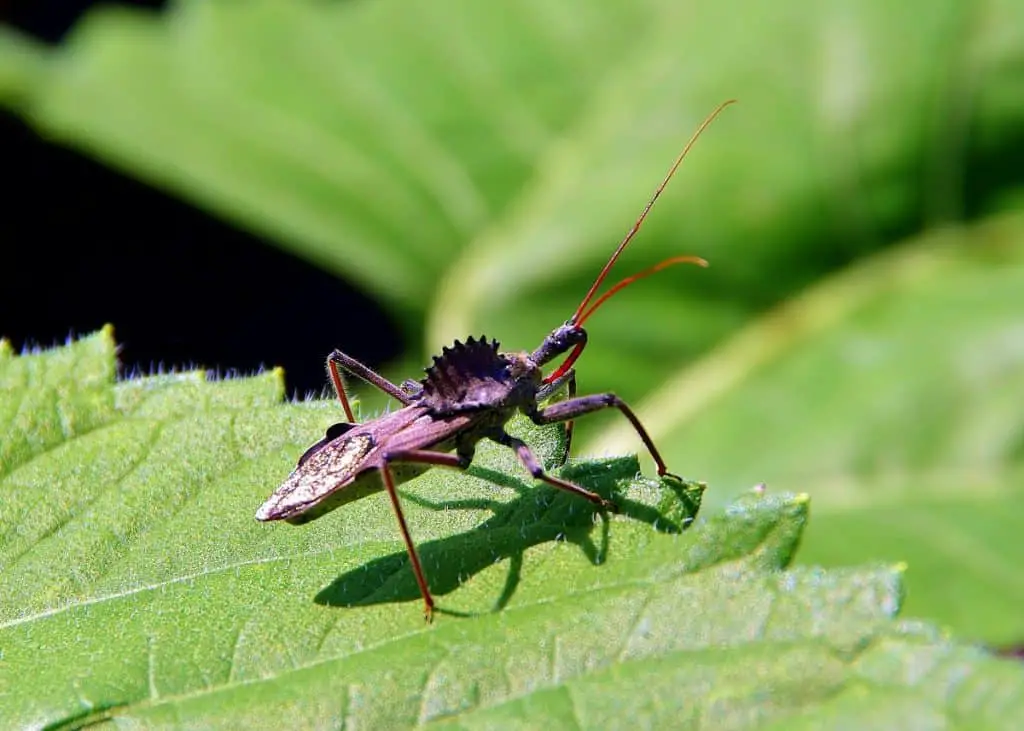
(473, 165)
(23, 64)
(891, 393)
(372, 138)
(137, 588)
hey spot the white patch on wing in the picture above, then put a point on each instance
(318, 476)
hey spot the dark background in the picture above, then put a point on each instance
(182, 288)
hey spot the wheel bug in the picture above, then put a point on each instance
(468, 394)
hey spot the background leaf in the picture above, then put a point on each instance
(505, 155)
(177, 607)
(367, 157)
(889, 393)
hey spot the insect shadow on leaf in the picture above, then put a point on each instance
(539, 514)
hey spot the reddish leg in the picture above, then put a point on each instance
(568, 378)
(568, 425)
(421, 456)
(568, 410)
(350, 365)
(530, 461)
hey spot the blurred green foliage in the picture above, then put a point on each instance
(858, 335)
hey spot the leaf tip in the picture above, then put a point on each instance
(278, 375)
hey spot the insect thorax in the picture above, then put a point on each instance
(474, 375)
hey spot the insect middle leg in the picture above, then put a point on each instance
(573, 408)
(421, 456)
(337, 360)
(528, 459)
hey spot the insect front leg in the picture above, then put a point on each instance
(422, 456)
(337, 360)
(567, 379)
(528, 459)
(571, 391)
(573, 408)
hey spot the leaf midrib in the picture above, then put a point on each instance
(686, 568)
(613, 587)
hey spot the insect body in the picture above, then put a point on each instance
(468, 394)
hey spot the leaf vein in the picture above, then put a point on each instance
(78, 509)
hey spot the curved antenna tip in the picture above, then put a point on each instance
(643, 215)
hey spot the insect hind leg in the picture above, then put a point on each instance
(350, 365)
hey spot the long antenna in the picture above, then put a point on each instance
(650, 204)
(636, 277)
